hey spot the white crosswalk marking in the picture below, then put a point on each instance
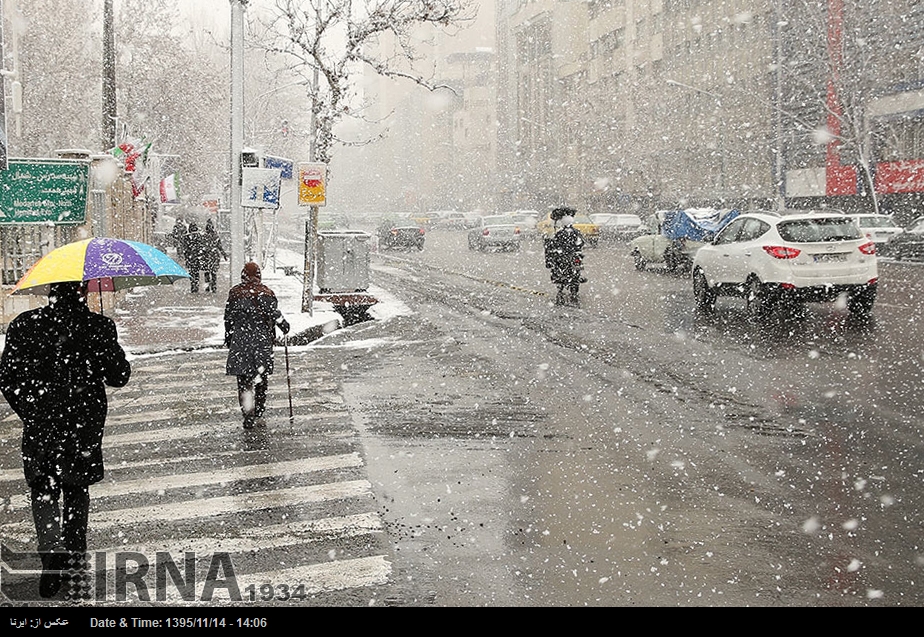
(246, 501)
(242, 472)
(288, 506)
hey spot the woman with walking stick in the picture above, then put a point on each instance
(251, 316)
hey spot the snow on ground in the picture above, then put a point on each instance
(288, 291)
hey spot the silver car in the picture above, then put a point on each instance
(879, 228)
(499, 231)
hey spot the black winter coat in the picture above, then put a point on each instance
(251, 315)
(212, 250)
(194, 248)
(55, 365)
(560, 253)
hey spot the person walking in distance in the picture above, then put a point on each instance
(212, 254)
(178, 236)
(251, 316)
(193, 252)
(54, 370)
(564, 257)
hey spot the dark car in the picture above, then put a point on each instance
(400, 234)
(909, 245)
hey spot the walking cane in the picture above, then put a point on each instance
(285, 343)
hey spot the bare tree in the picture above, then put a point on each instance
(59, 68)
(168, 90)
(329, 43)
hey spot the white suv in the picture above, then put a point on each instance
(789, 257)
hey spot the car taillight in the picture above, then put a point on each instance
(868, 248)
(516, 231)
(782, 252)
(485, 232)
(422, 231)
(394, 231)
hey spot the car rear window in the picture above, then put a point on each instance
(819, 230)
(876, 222)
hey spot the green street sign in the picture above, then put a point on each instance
(43, 191)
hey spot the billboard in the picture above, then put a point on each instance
(44, 191)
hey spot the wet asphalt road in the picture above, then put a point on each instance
(632, 453)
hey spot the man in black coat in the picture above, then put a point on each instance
(53, 372)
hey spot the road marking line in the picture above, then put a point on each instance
(236, 504)
(261, 538)
(156, 484)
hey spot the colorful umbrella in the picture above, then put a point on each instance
(106, 264)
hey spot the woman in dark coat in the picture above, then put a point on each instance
(251, 314)
(212, 254)
(56, 364)
(562, 253)
(193, 252)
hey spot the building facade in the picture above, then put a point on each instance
(640, 104)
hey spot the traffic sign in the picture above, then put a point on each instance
(284, 165)
(44, 191)
(312, 183)
(260, 187)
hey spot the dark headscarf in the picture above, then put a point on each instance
(251, 284)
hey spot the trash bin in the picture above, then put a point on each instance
(343, 261)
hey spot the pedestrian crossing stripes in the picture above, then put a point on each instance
(236, 504)
(281, 508)
(250, 472)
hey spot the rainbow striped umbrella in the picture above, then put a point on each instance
(106, 264)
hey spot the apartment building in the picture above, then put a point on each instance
(637, 104)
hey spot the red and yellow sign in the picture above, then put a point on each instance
(312, 183)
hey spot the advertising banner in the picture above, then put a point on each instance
(312, 182)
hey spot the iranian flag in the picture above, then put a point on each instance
(168, 190)
(129, 152)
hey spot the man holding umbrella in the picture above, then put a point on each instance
(53, 372)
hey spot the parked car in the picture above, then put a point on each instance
(617, 227)
(582, 222)
(909, 245)
(472, 219)
(787, 258)
(497, 231)
(423, 219)
(449, 220)
(879, 228)
(672, 237)
(527, 220)
(400, 234)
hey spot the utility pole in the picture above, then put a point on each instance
(311, 223)
(109, 78)
(236, 260)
